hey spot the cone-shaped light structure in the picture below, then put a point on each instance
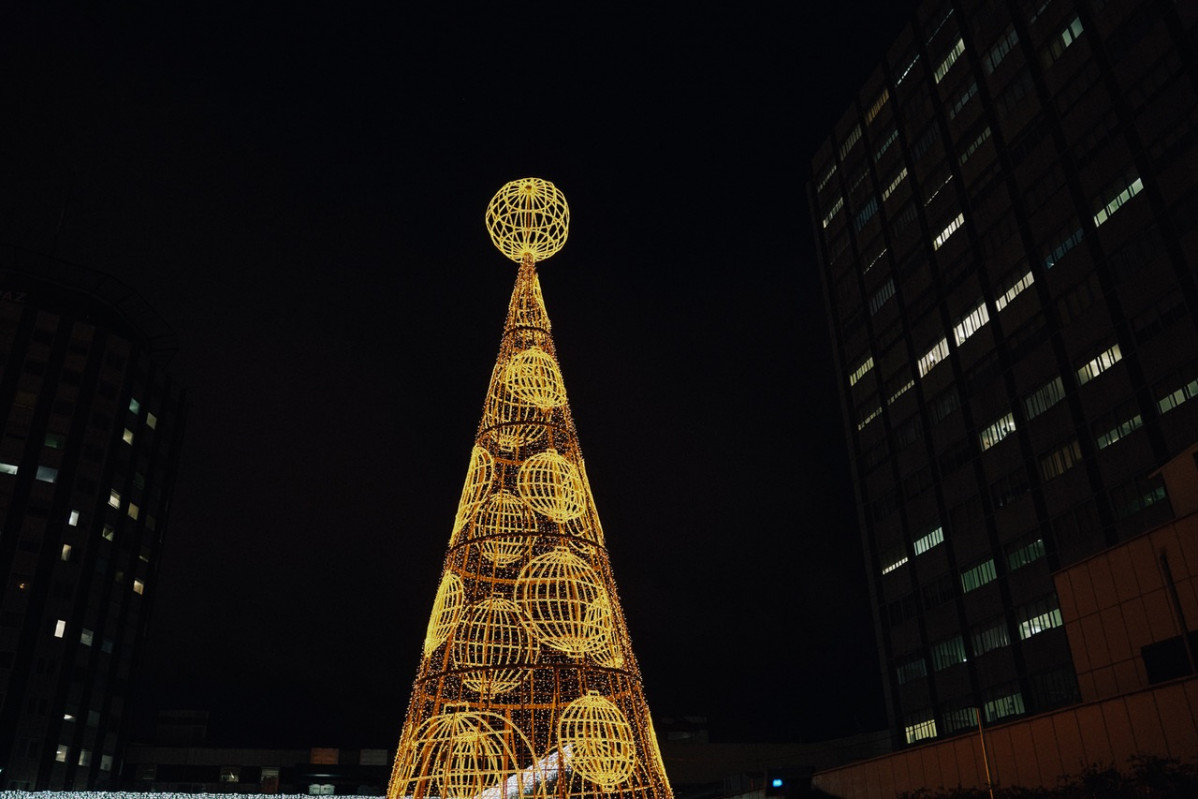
(527, 686)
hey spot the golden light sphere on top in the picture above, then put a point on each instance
(528, 217)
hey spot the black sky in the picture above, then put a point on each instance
(299, 191)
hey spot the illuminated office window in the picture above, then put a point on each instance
(928, 541)
(948, 652)
(1176, 397)
(73, 519)
(975, 144)
(1099, 364)
(151, 421)
(885, 145)
(978, 576)
(60, 628)
(60, 754)
(1060, 461)
(877, 106)
(949, 60)
(898, 178)
(933, 356)
(114, 498)
(997, 431)
(880, 297)
(836, 206)
(948, 231)
(861, 370)
(134, 405)
(1044, 397)
(999, 50)
(66, 552)
(1062, 41)
(127, 436)
(1036, 617)
(921, 729)
(972, 322)
(1014, 291)
(1123, 429)
(139, 587)
(8, 468)
(46, 474)
(853, 137)
(869, 417)
(1004, 706)
(1117, 202)
(1024, 553)
(990, 636)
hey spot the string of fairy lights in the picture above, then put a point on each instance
(527, 685)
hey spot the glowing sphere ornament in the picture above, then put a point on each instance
(490, 639)
(528, 218)
(478, 485)
(600, 740)
(447, 608)
(504, 528)
(550, 485)
(557, 592)
(533, 377)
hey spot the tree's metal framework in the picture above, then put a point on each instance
(528, 686)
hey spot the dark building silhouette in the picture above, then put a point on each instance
(1007, 225)
(91, 432)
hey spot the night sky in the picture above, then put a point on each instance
(299, 190)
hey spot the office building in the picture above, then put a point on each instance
(1007, 225)
(91, 431)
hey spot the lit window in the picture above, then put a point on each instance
(66, 552)
(936, 191)
(68, 717)
(920, 730)
(60, 754)
(949, 60)
(1177, 397)
(85, 757)
(972, 322)
(836, 206)
(1064, 245)
(895, 562)
(1124, 429)
(1003, 706)
(978, 576)
(134, 406)
(105, 762)
(60, 628)
(46, 474)
(926, 542)
(865, 214)
(1014, 291)
(8, 468)
(73, 519)
(874, 414)
(1005, 42)
(903, 389)
(107, 532)
(114, 498)
(139, 587)
(904, 72)
(127, 436)
(889, 140)
(933, 356)
(997, 431)
(86, 637)
(1021, 556)
(877, 106)
(879, 297)
(1062, 460)
(874, 260)
(1044, 397)
(1103, 361)
(975, 144)
(852, 139)
(55, 440)
(948, 231)
(910, 670)
(133, 510)
(894, 183)
(992, 636)
(948, 653)
(1036, 617)
(861, 370)
(151, 421)
(1065, 38)
(827, 176)
(962, 101)
(1114, 205)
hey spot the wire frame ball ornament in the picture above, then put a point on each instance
(528, 218)
(459, 755)
(490, 637)
(600, 740)
(447, 609)
(557, 592)
(504, 528)
(513, 422)
(533, 377)
(551, 485)
(479, 477)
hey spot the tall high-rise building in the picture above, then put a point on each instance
(91, 428)
(1007, 224)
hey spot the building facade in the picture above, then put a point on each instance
(1007, 225)
(92, 427)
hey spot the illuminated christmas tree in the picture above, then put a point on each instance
(527, 686)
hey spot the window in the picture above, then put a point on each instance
(971, 322)
(877, 106)
(899, 387)
(990, 635)
(836, 206)
(869, 417)
(230, 773)
(8, 468)
(894, 183)
(936, 191)
(880, 296)
(1099, 364)
(1186, 392)
(978, 576)
(151, 421)
(933, 356)
(929, 540)
(1119, 430)
(998, 52)
(893, 557)
(948, 652)
(1044, 398)
(127, 436)
(1064, 244)
(1003, 706)
(962, 101)
(865, 214)
(911, 669)
(1009, 488)
(823, 181)
(918, 730)
(853, 137)
(60, 754)
(975, 144)
(1060, 461)
(1061, 41)
(943, 405)
(949, 60)
(948, 231)
(66, 552)
(139, 587)
(889, 140)
(86, 637)
(905, 71)
(73, 519)
(133, 510)
(874, 260)
(134, 405)
(960, 718)
(997, 431)
(1022, 553)
(1036, 617)
(1121, 197)
(114, 498)
(60, 628)
(107, 532)
(105, 762)
(46, 474)
(55, 440)
(1136, 495)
